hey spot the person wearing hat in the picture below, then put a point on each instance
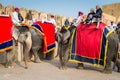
(79, 19)
(113, 26)
(16, 17)
(52, 20)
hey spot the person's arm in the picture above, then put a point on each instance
(77, 22)
(54, 22)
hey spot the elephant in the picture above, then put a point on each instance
(64, 39)
(8, 57)
(21, 34)
(37, 47)
(37, 44)
(32, 42)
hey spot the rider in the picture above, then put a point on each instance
(29, 17)
(16, 17)
(113, 26)
(79, 18)
(52, 19)
(90, 16)
(98, 15)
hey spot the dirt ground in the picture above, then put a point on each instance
(48, 70)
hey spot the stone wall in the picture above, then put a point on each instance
(112, 9)
(107, 17)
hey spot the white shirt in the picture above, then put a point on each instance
(108, 27)
(77, 22)
(15, 18)
(113, 27)
(52, 21)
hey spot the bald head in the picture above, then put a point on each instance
(97, 6)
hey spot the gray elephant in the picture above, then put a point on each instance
(8, 57)
(63, 38)
(21, 34)
(64, 42)
(37, 45)
(7, 46)
(112, 54)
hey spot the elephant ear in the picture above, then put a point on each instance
(63, 37)
(15, 33)
(66, 35)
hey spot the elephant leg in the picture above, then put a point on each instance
(41, 54)
(36, 60)
(61, 61)
(9, 62)
(80, 66)
(26, 55)
(64, 64)
(118, 62)
(65, 60)
(107, 68)
(50, 55)
(118, 65)
(27, 47)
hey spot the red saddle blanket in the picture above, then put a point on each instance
(6, 42)
(48, 32)
(89, 40)
(89, 45)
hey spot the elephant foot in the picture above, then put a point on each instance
(60, 68)
(38, 61)
(12, 66)
(26, 67)
(50, 55)
(118, 65)
(9, 67)
(118, 70)
(107, 71)
(63, 68)
(80, 66)
(28, 60)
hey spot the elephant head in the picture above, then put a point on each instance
(63, 36)
(19, 33)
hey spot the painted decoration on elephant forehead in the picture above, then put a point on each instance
(47, 30)
(6, 42)
(90, 45)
